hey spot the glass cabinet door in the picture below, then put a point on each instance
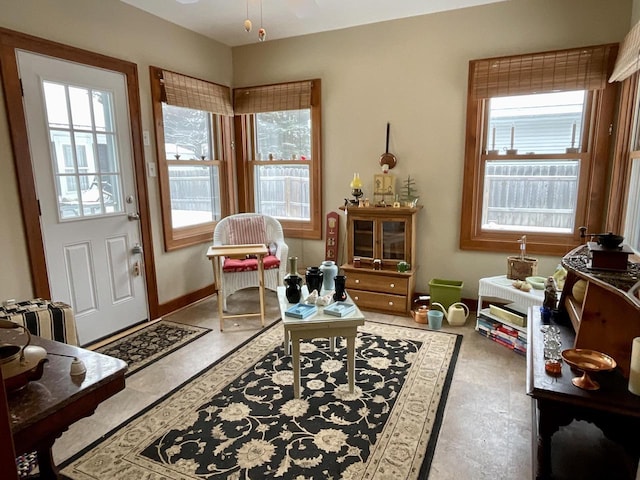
(363, 237)
(394, 240)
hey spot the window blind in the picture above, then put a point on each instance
(575, 69)
(628, 61)
(272, 98)
(183, 91)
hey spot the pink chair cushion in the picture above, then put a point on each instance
(247, 230)
(249, 264)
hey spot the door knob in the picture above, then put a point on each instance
(133, 216)
(137, 249)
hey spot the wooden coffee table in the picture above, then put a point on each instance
(43, 409)
(319, 325)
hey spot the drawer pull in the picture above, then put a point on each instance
(391, 304)
(357, 280)
(392, 285)
(356, 298)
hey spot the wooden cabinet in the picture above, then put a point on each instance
(607, 319)
(378, 238)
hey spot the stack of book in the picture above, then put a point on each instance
(505, 325)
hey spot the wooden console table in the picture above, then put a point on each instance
(557, 402)
(43, 409)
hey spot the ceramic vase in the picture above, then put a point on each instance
(340, 284)
(293, 288)
(313, 277)
(293, 267)
(329, 270)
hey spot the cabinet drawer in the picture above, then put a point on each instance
(378, 301)
(378, 283)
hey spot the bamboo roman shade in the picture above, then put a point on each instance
(576, 69)
(183, 91)
(628, 61)
(272, 98)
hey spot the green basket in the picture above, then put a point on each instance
(445, 292)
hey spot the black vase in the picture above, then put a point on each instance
(292, 291)
(313, 276)
(341, 294)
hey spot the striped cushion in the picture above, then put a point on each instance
(54, 321)
(247, 230)
(249, 264)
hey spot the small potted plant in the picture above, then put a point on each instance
(409, 192)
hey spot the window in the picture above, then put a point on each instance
(280, 162)
(624, 200)
(623, 215)
(536, 155)
(85, 159)
(193, 125)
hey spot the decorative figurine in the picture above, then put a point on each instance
(550, 294)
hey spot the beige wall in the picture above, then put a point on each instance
(413, 73)
(113, 28)
(410, 72)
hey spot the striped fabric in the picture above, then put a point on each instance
(54, 321)
(247, 231)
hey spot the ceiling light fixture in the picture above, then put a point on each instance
(262, 33)
(247, 22)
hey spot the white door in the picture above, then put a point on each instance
(80, 141)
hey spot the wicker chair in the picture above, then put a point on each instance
(250, 228)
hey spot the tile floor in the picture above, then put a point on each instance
(486, 430)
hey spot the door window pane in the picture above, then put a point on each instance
(80, 108)
(530, 195)
(363, 237)
(393, 240)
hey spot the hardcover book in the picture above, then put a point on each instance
(339, 309)
(301, 310)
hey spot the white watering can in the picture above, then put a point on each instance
(457, 314)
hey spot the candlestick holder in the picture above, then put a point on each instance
(512, 151)
(493, 152)
(572, 150)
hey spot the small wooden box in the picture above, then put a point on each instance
(520, 268)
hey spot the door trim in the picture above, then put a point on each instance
(9, 42)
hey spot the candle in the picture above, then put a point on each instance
(513, 131)
(493, 139)
(634, 375)
(573, 135)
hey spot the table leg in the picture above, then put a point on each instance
(261, 286)
(46, 465)
(295, 361)
(287, 341)
(219, 292)
(332, 344)
(351, 362)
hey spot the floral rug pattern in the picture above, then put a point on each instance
(238, 419)
(142, 348)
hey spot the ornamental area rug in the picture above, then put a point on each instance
(238, 419)
(149, 344)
